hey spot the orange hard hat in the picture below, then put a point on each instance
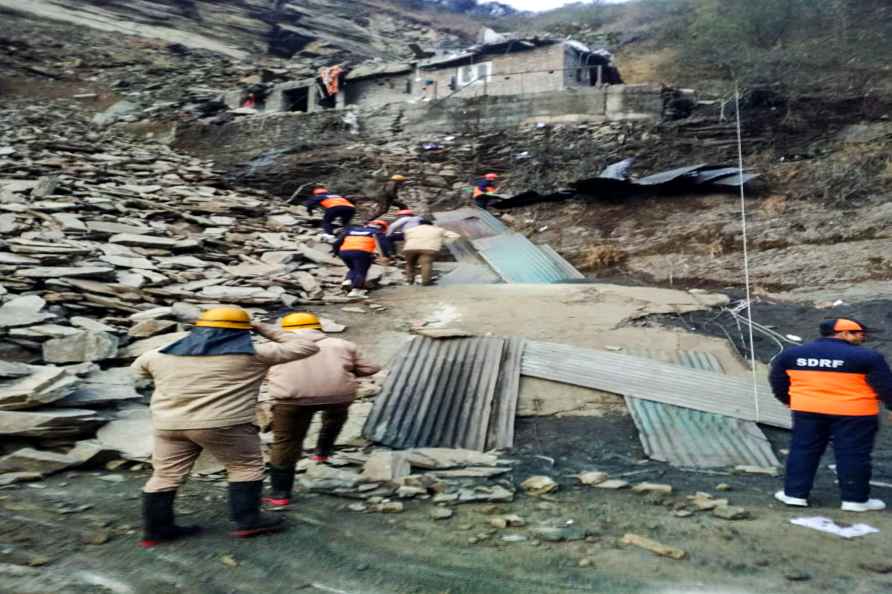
(320, 191)
(491, 176)
(380, 224)
(405, 213)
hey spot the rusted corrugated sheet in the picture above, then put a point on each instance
(691, 438)
(501, 427)
(439, 394)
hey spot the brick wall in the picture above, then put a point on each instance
(539, 70)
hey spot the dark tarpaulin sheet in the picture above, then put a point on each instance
(613, 182)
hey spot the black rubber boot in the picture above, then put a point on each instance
(158, 520)
(281, 480)
(244, 509)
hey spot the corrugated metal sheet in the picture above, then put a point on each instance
(667, 176)
(685, 437)
(652, 380)
(439, 394)
(504, 411)
(471, 223)
(518, 260)
(561, 263)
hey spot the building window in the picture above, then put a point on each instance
(474, 73)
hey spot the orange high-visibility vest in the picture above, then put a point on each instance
(359, 243)
(479, 192)
(334, 200)
(832, 393)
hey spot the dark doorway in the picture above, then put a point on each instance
(297, 99)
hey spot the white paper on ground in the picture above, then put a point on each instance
(828, 525)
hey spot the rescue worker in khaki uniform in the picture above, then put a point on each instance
(206, 388)
(357, 247)
(326, 383)
(389, 196)
(337, 208)
(834, 387)
(423, 243)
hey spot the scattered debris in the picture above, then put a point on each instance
(654, 546)
(592, 477)
(539, 485)
(829, 526)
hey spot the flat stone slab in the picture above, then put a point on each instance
(148, 241)
(59, 423)
(80, 347)
(63, 271)
(42, 385)
(23, 311)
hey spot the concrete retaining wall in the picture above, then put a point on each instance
(246, 138)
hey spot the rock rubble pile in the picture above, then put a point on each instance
(110, 248)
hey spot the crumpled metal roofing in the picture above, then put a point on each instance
(653, 380)
(691, 438)
(378, 69)
(446, 393)
(518, 260)
(471, 223)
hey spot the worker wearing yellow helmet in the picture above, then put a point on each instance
(324, 383)
(388, 196)
(206, 389)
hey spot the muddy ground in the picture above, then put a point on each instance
(330, 549)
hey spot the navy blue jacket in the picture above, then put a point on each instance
(362, 231)
(832, 376)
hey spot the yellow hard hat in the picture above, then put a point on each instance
(225, 317)
(301, 321)
(398, 178)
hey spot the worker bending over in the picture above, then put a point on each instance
(388, 196)
(833, 386)
(206, 388)
(485, 190)
(326, 383)
(406, 219)
(423, 243)
(357, 247)
(335, 207)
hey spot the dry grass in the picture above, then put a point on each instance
(637, 67)
(774, 205)
(598, 257)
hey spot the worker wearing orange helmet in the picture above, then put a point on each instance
(206, 389)
(324, 383)
(388, 196)
(357, 246)
(485, 190)
(337, 208)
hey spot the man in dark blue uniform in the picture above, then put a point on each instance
(833, 387)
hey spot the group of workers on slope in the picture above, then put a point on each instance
(206, 391)
(359, 246)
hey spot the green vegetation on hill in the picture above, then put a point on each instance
(801, 46)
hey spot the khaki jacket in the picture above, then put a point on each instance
(219, 390)
(328, 377)
(427, 238)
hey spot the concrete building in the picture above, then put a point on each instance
(504, 67)
(517, 67)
